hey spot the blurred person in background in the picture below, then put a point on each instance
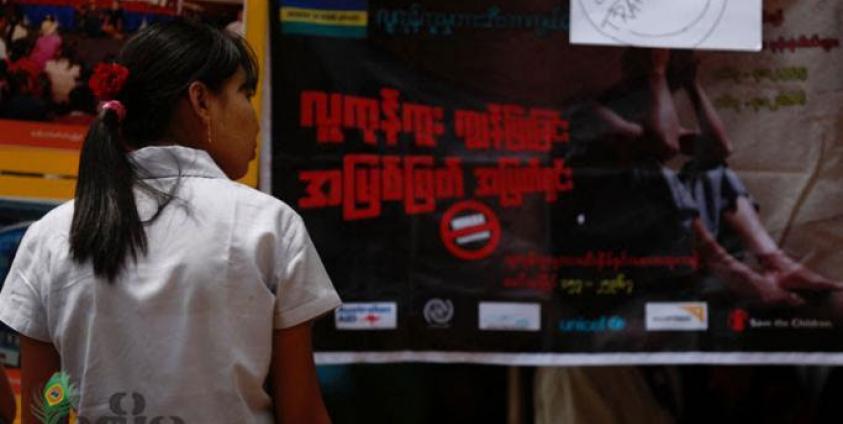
(64, 71)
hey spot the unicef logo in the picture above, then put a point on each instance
(602, 324)
(438, 312)
(616, 323)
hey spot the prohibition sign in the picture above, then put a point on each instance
(486, 222)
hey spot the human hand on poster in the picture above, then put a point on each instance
(659, 133)
(768, 293)
(751, 286)
(709, 141)
(737, 276)
(793, 276)
(785, 273)
(781, 282)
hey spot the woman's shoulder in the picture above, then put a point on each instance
(263, 208)
(55, 223)
(47, 236)
(254, 196)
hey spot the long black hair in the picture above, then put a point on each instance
(163, 60)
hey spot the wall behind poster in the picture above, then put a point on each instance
(435, 153)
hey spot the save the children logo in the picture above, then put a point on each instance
(61, 397)
(740, 321)
(737, 320)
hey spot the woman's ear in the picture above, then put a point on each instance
(198, 94)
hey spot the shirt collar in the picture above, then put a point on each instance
(174, 161)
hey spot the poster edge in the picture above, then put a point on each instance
(581, 359)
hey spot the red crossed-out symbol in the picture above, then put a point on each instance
(452, 237)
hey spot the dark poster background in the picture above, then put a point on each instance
(589, 232)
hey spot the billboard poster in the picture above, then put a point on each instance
(480, 189)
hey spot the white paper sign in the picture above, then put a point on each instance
(699, 24)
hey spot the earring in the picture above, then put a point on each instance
(210, 138)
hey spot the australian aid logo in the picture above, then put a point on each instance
(367, 316)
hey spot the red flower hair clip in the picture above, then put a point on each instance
(108, 79)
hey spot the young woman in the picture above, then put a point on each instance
(166, 289)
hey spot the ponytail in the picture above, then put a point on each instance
(106, 227)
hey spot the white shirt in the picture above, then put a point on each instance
(189, 325)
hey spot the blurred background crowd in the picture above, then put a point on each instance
(48, 48)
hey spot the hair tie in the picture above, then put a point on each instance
(115, 106)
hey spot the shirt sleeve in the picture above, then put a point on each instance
(304, 290)
(21, 305)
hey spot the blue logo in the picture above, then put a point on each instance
(598, 325)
